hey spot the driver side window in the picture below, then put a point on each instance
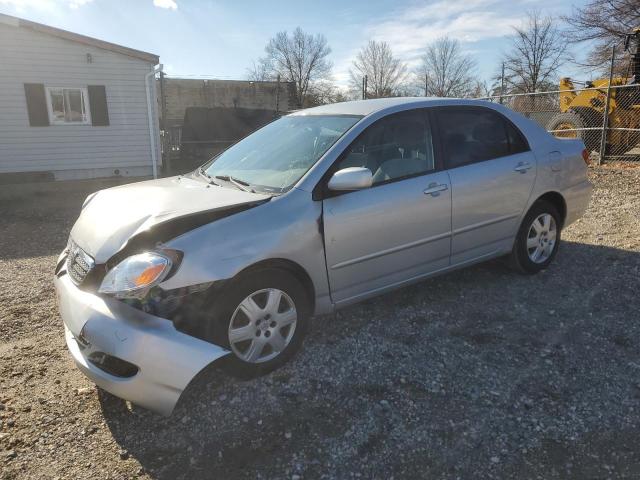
(395, 147)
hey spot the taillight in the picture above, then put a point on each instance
(585, 156)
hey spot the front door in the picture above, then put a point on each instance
(492, 173)
(397, 230)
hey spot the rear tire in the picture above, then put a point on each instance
(572, 120)
(262, 316)
(538, 239)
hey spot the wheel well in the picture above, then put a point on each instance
(557, 200)
(293, 268)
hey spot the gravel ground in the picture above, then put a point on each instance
(481, 373)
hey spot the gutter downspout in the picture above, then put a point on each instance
(152, 139)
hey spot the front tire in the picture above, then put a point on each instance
(538, 239)
(262, 317)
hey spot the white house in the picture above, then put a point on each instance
(73, 106)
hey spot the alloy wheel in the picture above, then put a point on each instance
(262, 325)
(541, 238)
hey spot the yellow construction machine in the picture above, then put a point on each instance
(582, 111)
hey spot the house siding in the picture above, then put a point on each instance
(73, 151)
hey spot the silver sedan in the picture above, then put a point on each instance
(317, 210)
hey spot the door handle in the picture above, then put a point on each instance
(434, 189)
(522, 167)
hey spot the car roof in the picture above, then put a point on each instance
(367, 107)
(380, 106)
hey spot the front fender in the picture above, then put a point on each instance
(286, 228)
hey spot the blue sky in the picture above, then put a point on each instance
(219, 39)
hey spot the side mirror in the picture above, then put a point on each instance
(352, 178)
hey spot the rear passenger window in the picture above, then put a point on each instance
(517, 143)
(395, 147)
(475, 135)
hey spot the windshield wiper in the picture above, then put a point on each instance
(204, 173)
(241, 184)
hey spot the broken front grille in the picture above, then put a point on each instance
(79, 263)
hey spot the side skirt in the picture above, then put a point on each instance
(394, 286)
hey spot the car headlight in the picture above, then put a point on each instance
(134, 276)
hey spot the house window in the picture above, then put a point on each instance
(68, 106)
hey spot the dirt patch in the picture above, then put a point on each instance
(481, 373)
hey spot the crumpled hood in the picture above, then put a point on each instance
(116, 214)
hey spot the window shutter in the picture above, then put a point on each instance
(98, 105)
(36, 104)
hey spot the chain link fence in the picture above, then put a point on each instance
(580, 113)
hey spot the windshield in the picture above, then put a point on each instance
(275, 157)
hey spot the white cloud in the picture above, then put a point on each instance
(78, 3)
(409, 29)
(469, 21)
(22, 5)
(168, 4)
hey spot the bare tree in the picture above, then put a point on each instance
(483, 88)
(260, 71)
(445, 71)
(604, 24)
(537, 52)
(385, 73)
(323, 92)
(300, 58)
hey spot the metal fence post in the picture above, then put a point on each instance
(277, 94)
(502, 83)
(605, 121)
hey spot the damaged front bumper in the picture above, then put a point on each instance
(134, 355)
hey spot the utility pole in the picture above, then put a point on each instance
(426, 84)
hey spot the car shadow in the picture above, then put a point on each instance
(297, 420)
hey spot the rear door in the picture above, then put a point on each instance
(492, 172)
(398, 229)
